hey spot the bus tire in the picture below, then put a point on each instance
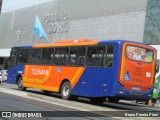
(98, 100)
(66, 90)
(20, 84)
(113, 99)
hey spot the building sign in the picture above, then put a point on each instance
(39, 29)
(51, 23)
(57, 22)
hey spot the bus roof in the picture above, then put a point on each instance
(78, 42)
(69, 43)
(81, 42)
(29, 46)
(118, 41)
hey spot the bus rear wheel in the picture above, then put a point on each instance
(20, 84)
(66, 90)
(113, 99)
(98, 100)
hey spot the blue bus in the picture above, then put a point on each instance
(113, 69)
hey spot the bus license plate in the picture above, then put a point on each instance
(135, 88)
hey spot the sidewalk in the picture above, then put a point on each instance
(157, 104)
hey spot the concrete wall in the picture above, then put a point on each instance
(74, 19)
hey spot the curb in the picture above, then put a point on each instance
(70, 103)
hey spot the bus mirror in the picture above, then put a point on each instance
(157, 67)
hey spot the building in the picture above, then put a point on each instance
(47, 21)
(0, 5)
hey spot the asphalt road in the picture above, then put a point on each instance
(25, 106)
(11, 99)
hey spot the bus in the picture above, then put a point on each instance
(112, 69)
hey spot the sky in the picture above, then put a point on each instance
(9, 5)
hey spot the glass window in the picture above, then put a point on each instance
(139, 54)
(13, 60)
(95, 56)
(35, 56)
(109, 56)
(47, 56)
(61, 56)
(23, 55)
(77, 56)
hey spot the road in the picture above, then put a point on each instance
(11, 99)
(24, 105)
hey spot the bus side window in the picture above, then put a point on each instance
(61, 56)
(23, 55)
(47, 56)
(91, 56)
(77, 56)
(109, 56)
(35, 56)
(14, 57)
(100, 55)
(81, 55)
(95, 55)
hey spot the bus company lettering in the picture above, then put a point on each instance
(40, 72)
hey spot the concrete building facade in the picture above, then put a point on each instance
(74, 19)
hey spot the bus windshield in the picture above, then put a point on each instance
(139, 54)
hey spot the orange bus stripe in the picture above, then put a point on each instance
(77, 76)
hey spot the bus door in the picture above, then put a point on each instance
(137, 67)
(13, 60)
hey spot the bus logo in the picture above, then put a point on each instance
(40, 72)
(39, 29)
(127, 76)
(59, 70)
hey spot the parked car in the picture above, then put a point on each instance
(3, 75)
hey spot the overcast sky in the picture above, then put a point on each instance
(9, 5)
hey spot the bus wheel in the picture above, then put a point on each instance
(113, 99)
(98, 100)
(66, 90)
(20, 84)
